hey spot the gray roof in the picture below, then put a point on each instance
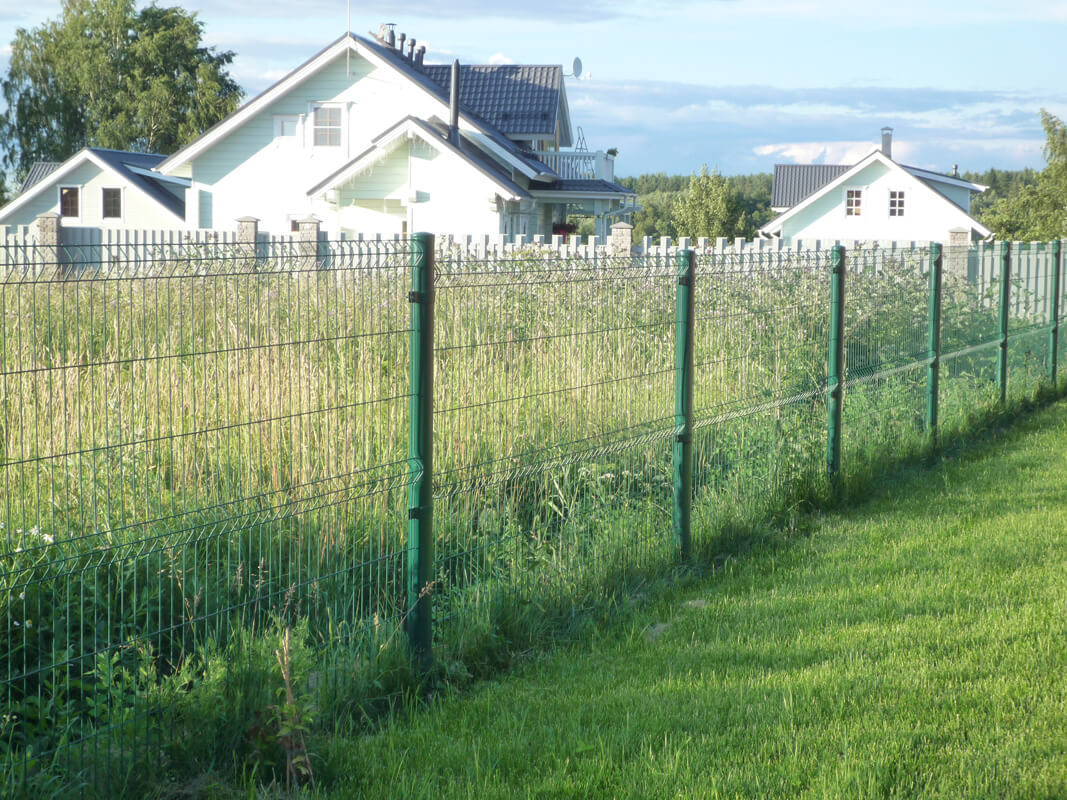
(794, 182)
(514, 98)
(38, 172)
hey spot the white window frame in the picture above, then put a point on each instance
(854, 193)
(280, 120)
(122, 204)
(900, 199)
(81, 201)
(341, 131)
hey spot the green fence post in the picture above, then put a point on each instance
(1005, 299)
(1054, 314)
(933, 370)
(420, 452)
(683, 401)
(835, 363)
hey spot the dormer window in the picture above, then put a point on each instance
(853, 202)
(327, 123)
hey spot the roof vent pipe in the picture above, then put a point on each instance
(403, 36)
(420, 54)
(887, 142)
(411, 49)
(453, 105)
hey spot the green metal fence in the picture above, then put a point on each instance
(222, 467)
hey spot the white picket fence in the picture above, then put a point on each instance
(132, 249)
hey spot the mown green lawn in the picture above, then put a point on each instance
(914, 645)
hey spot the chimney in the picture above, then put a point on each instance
(402, 37)
(390, 37)
(453, 105)
(887, 142)
(955, 170)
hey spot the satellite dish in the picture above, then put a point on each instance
(576, 68)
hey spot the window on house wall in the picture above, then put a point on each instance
(327, 120)
(896, 204)
(853, 202)
(69, 201)
(112, 203)
(285, 127)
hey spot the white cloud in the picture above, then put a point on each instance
(500, 58)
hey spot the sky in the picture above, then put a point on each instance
(739, 85)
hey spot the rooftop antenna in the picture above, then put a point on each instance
(576, 69)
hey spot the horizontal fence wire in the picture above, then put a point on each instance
(197, 444)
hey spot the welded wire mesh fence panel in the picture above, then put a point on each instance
(759, 380)
(969, 334)
(1029, 318)
(198, 447)
(885, 349)
(554, 414)
(1061, 372)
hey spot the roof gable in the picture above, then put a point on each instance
(433, 134)
(381, 56)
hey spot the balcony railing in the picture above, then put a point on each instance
(581, 166)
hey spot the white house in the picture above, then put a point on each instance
(365, 137)
(876, 199)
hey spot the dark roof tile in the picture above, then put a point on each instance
(514, 98)
(794, 182)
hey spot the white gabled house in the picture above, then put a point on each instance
(101, 188)
(876, 199)
(366, 138)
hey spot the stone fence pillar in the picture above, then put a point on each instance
(307, 238)
(247, 234)
(957, 255)
(49, 235)
(622, 238)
